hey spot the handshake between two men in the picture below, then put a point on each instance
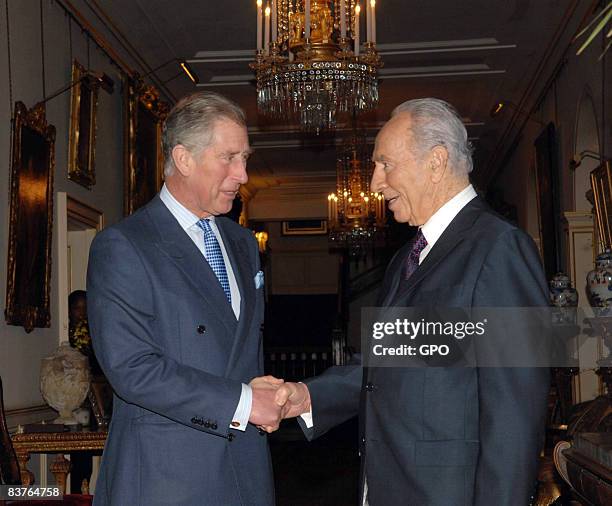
(275, 400)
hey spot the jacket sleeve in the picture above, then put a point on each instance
(122, 316)
(334, 397)
(512, 400)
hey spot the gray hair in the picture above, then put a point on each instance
(191, 123)
(435, 122)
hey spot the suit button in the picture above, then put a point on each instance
(201, 329)
(194, 420)
(213, 426)
(230, 437)
(369, 387)
(363, 440)
(207, 424)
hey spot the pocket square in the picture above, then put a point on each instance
(259, 280)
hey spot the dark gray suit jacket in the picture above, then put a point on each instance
(442, 436)
(171, 347)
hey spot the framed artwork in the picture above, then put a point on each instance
(30, 219)
(601, 183)
(82, 138)
(547, 192)
(304, 227)
(143, 157)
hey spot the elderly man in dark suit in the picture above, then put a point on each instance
(175, 306)
(440, 436)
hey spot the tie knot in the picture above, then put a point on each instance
(204, 224)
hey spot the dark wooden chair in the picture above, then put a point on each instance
(9, 469)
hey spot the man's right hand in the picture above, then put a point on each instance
(294, 398)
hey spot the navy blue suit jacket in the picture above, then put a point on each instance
(171, 347)
(449, 436)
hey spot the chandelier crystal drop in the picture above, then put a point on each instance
(308, 63)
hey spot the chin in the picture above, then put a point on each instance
(400, 219)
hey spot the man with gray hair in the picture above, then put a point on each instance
(176, 305)
(440, 436)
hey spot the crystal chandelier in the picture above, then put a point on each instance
(355, 214)
(311, 68)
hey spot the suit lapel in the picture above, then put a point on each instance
(178, 246)
(450, 238)
(238, 253)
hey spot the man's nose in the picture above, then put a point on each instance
(378, 179)
(240, 172)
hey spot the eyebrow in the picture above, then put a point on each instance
(247, 152)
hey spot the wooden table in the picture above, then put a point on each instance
(55, 442)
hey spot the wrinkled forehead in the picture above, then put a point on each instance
(227, 130)
(394, 137)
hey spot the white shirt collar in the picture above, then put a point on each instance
(435, 226)
(183, 215)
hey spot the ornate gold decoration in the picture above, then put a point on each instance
(143, 157)
(601, 184)
(356, 215)
(54, 442)
(82, 138)
(310, 79)
(30, 219)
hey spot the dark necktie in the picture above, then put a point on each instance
(214, 256)
(419, 243)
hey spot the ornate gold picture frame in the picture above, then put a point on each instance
(82, 138)
(143, 157)
(30, 219)
(601, 183)
(304, 227)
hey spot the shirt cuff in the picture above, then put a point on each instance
(243, 410)
(307, 417)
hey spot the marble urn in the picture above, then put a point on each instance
(64, 381)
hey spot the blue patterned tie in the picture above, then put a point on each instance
(214, 257)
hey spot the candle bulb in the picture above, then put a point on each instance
(368, 21)
(307, 19)
(267, 31)
(259, 23)
(357, 11)
(373, 12)
(274, 25)
(342, 18)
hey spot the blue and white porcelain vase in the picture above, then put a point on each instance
(564, 298)
(599, 284)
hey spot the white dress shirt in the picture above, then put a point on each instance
(188, 222)
(435, 226)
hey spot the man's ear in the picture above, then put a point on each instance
(183, 160)
(438, 163)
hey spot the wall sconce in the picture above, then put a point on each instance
(577, 159)
(500, 106)
(262, 239)
(185, 69)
